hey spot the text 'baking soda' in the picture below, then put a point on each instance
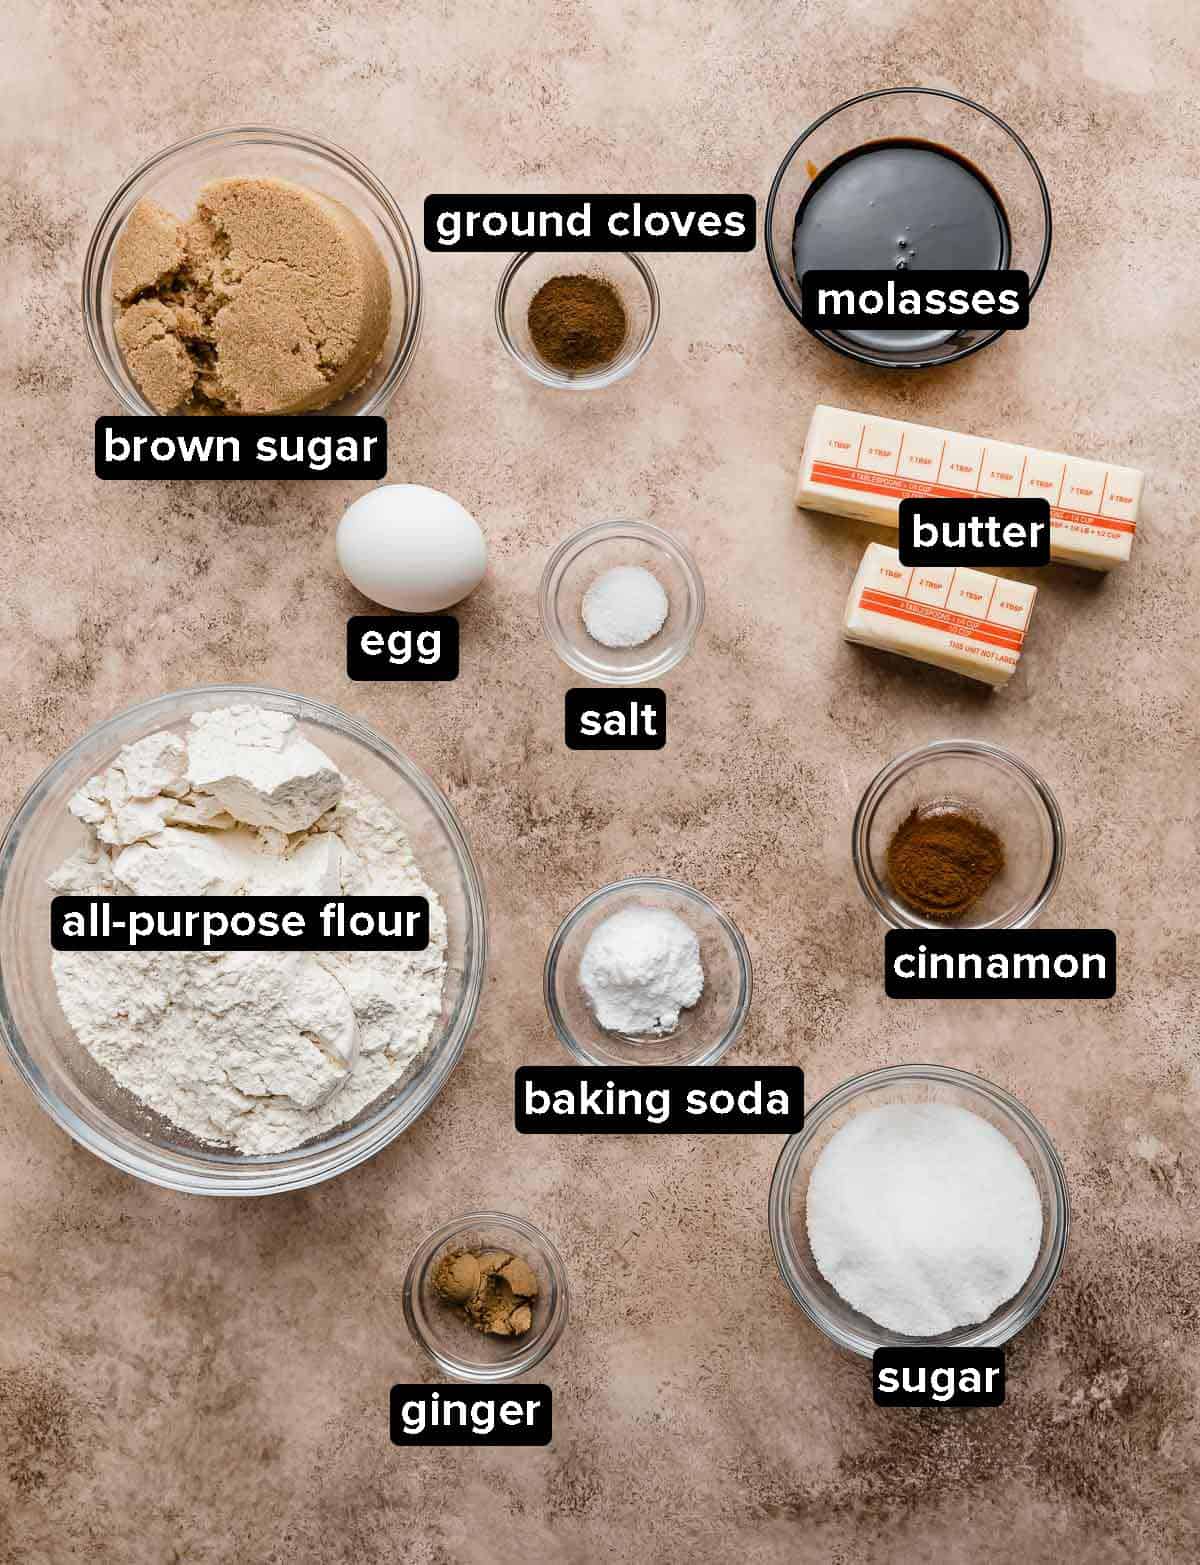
(662, 1099)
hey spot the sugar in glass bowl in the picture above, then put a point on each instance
(173, 178)
(81, 1097)
(787, 1211)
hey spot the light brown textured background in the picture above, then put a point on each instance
(192, 1380)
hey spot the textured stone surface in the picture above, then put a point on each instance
(206, 1381)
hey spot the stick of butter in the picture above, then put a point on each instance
(960, 619)
(857, 465)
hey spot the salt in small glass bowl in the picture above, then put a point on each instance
(706, 1030)
(788, 1204)
(173, 178)
(574, 566)
(1003, 791)
(442, 1331)
(628, 274)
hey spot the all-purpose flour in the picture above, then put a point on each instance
(258, 1051)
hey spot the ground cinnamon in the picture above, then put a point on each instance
(577, 322)
(942, 859)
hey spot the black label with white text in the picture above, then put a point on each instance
(418, 646)
(250, 446)
(1000, 964)
(938, 1377)
(976, 530)
(498, 1414)
(887, 300)
(239, 923)
(658, 1099)
(597, 222)
(615, 719)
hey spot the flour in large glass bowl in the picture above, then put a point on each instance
(260, 1052)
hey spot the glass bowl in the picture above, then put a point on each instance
(627, 273)
(173, 178)
(787, 1218)
(706, 1030)
(82, 1097)
(928, 114)
(1010, 796)
(447, 1337)
(572, 569)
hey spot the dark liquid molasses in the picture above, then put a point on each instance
(900, 205)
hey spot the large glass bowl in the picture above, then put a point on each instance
(926, 114)
(81, 1096)
(787, 1215)
(173, 178)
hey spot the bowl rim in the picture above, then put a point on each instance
(879, 786)
(564, 555)
(102, 240)
(593, 380)
(1005, 1325)
(226, 1173)
(864, 355)
(534, 1352)
(714, 1051)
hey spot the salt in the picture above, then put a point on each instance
(923, 1216)
(625, 607)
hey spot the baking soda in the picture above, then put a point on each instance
(640, 968)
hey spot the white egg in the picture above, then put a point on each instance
(411, 548)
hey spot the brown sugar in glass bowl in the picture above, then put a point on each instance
(172, 180)
(269, 298)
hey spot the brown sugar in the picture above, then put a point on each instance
(493, 1288)
(271, 298)
(942, 858)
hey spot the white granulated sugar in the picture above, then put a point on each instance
(625, 606)
(640, 968)
(923, 1216)
(257, 1051)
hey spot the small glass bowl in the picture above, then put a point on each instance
(928, 114)
(442, 1331)
(706, 1031)
(572, 569)
(787, 1213)
(80, 1095)
(627, 273)
(1008, 795)
(173, 178)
